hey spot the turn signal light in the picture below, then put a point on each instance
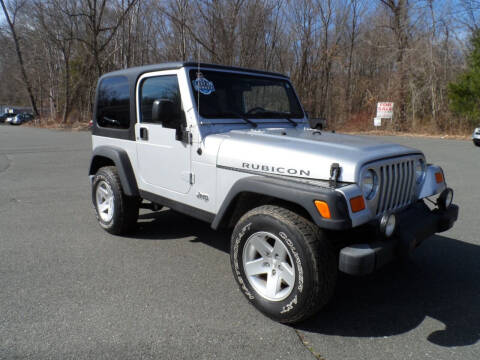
(323, 209)
(357, 203)
(439, 177)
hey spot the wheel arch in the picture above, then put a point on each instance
(245, 201)
(254, 191)
(113, 156)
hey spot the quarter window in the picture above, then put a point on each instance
(113, 103)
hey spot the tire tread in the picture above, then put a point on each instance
(322, 257)
(125, 220)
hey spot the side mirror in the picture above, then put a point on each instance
(163, 111)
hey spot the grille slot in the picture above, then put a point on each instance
(397, 185)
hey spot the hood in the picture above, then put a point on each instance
(302, 152)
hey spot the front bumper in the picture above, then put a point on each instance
(415, 224)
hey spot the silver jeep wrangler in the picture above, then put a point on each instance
(232, 147)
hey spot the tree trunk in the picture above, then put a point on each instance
(20, 61)
(66, 109)
(399, 26)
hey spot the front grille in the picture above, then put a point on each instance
(397, 185)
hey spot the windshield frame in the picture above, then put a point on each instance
(234, 119)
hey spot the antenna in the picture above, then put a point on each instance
(198, 74)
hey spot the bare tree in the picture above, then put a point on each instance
(471, 9)
(16, 6)
(356, 9)
(343, 56)
(399, 26)
(95, 30)
(59, 29)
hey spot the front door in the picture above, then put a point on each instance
(164, 162)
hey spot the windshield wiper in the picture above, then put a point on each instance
(243, 117)
(294, 123)
(281, 114)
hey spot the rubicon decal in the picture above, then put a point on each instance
(275, 169)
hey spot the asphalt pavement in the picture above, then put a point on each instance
(69, 290)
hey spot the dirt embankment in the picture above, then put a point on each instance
(51, 124)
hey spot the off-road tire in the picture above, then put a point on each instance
(314, 259)
(125, 213)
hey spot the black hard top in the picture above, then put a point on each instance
(135, 72)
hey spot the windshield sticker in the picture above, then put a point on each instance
(202, 85)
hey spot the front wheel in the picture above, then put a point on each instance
(476, 142)
(116, 212)
(283, 263)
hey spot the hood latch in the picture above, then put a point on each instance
(335, 171)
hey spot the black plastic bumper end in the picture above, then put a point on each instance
(414, 225)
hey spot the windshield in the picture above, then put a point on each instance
(229, 95)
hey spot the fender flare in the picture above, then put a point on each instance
(122, 162)
(295, 192)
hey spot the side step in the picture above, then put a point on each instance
(151, 206)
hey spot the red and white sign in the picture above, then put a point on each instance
(385, 110)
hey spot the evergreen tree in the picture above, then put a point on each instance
(465, 93)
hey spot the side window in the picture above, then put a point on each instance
(113, 103)
(159, 88)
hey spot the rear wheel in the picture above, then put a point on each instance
(283, 263)
(476, 142)
(116, 212)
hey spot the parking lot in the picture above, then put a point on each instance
(70, 290)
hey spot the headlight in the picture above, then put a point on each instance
(419, 170)
(369, 184)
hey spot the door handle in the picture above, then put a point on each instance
(144, 133)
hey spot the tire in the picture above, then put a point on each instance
(309, 256)
(476, 142)
(118, 215)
